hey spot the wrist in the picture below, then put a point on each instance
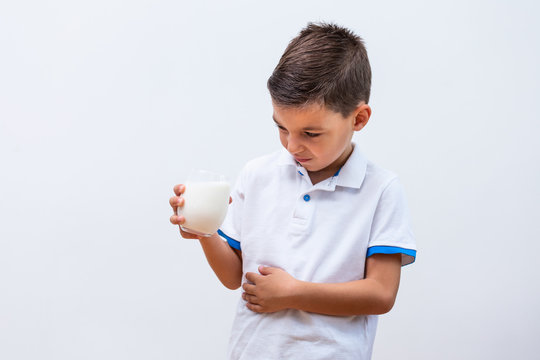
(207, 239)
(296, 293)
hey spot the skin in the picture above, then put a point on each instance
(320, 139)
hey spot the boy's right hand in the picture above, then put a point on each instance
(175, 202)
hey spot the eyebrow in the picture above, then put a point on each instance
(308, 128)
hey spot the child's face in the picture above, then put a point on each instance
(318, 138)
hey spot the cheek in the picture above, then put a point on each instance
(283, 139)
(324, 150)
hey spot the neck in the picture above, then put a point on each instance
(330, 170)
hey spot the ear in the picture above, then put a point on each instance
(361, 116)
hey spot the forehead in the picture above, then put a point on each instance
(312, 116)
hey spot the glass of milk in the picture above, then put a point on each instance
(206, 200)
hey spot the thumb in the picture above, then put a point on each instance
(266, 270)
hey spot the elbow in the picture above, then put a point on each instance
(385, 308)
(385, 305)
(232, 284)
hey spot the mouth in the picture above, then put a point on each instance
(301, 160)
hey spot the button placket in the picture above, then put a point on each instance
(303, 210)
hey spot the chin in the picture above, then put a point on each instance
(313, 168)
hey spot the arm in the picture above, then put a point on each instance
(276, 290)
(224, 260)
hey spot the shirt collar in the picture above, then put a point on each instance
(351, 174)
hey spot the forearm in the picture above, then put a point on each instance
(360, 297)
(225, 263)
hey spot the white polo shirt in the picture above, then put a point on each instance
(318, 233)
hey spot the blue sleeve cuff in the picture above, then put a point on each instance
(232, 243)
(408, 256)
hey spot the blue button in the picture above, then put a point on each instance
(307, 197)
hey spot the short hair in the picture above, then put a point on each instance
(325, 64)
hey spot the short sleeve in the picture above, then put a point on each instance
(231, 229)
(391, 231)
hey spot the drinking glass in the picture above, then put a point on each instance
(206, 200)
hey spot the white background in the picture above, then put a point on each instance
(105, 105)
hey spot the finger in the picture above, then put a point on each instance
(266, 270)
(254, 307)
(179, 189)
(176, 201)
(177, 219)
(249, 288)
(250, 298)
(252, 277)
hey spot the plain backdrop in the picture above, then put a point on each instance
(106, 105)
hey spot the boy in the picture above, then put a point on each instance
(316, 234)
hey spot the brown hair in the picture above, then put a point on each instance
(324, 64)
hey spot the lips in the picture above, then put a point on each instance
(301, 160)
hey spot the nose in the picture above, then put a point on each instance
(294, 145)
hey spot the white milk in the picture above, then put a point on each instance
(205, 206)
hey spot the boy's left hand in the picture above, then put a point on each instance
(270, 291)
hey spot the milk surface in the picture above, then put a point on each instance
(205, 205)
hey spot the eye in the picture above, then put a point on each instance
(281, 128)
(310, 134)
